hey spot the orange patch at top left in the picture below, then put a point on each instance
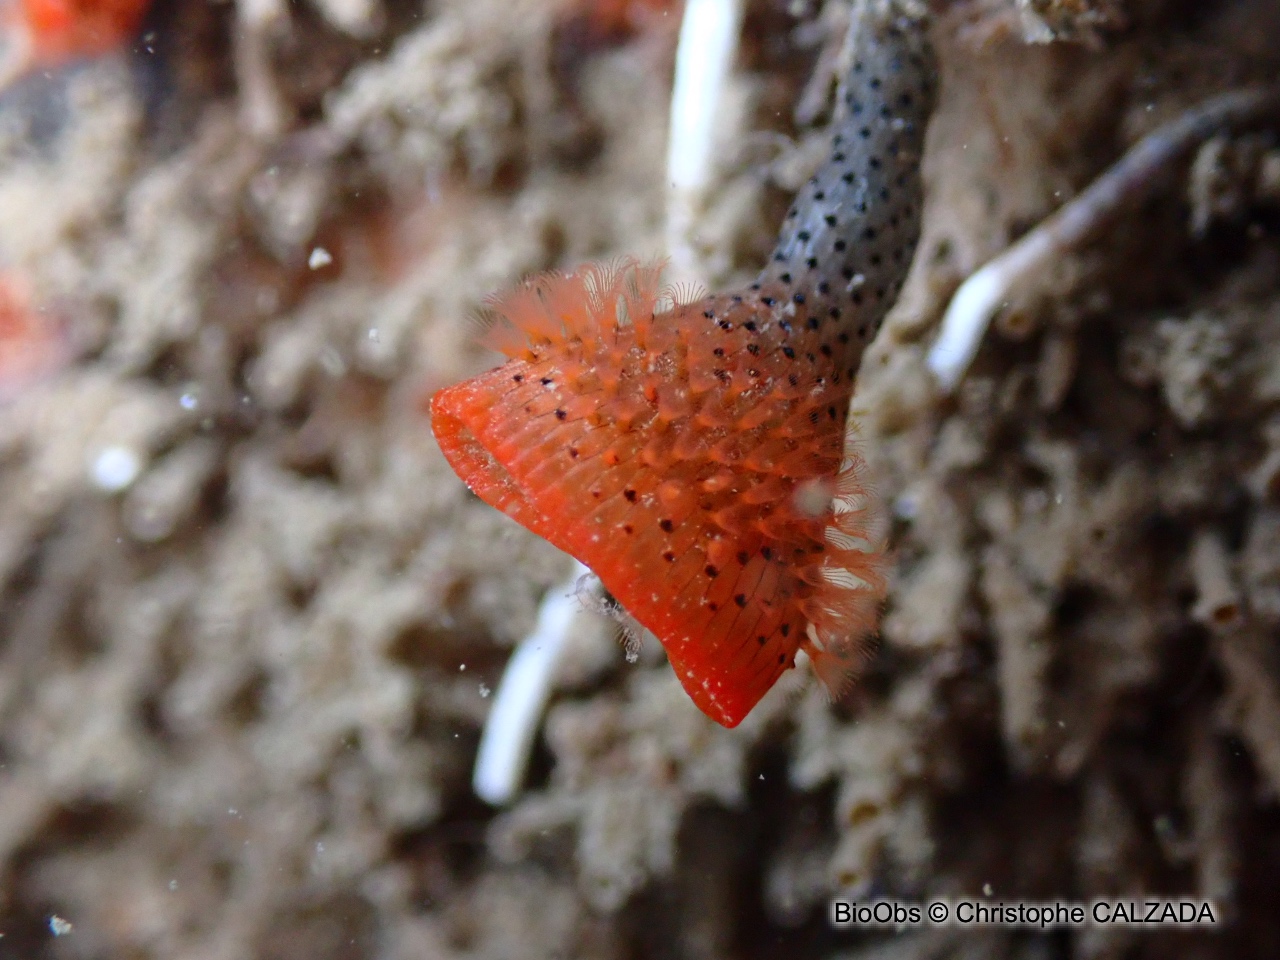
(48, 32)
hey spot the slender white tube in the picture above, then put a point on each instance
(976, 303)
(1136, 175)
(507, 739)
(704, 57)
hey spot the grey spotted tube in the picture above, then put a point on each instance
(849, 237)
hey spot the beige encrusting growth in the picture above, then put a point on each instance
(1218, 600)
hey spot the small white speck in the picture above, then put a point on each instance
(115, 468)
(320, 257)
(986, 890)
(462, 667)
(484, 690)
(232, 811)
(373, 334)
(59, 927)
(173, 885)
(319, 846)
(189, 401)
(632, 656)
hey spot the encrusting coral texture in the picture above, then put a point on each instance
(251, 619)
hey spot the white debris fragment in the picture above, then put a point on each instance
(59, 927)
(320, 257)
(115, 468)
